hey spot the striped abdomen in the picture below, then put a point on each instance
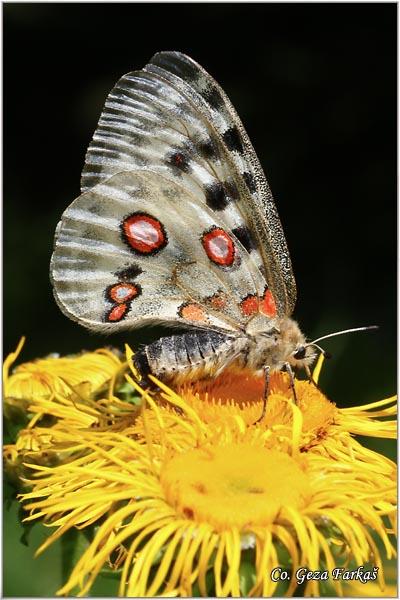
(184, 357)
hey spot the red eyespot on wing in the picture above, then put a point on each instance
(123, 292)
(267, 304)
(250, 305)
(117, 313)
(144, 234)
(219, 247)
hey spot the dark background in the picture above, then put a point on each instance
(315, 86)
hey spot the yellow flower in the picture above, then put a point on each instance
(354, 588)
(193, 494)
(325, 428)
(78, 389)
(370, 590)
(86, 372)
(199, 499)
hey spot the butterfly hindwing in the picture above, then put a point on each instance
(173, 118)
(140, 248)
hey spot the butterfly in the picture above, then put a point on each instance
(176, 225)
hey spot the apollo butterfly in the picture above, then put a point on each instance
(176, 225)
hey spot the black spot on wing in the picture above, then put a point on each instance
(249, 181)
(231, 189)
(208, 149)
(179, 161)
(129, 273)
(213, 96)
(245, 238)
(232, 140)
(216, 197)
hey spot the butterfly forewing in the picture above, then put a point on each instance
(149, 123)
(176, 222)
(260, 211)
(173, 117)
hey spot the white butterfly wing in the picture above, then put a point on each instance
(140, 248)
(173, 118)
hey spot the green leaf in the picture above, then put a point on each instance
(247, 576)
(105, 586)
(210, 586)
(73, 545)
(15, 419)
(9, 493)
(109, 573)
(127, 392)
(27, 526)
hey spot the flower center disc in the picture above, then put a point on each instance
(238, 485)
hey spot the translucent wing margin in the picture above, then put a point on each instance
(172, 117)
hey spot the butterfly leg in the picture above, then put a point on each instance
(266, 394)
(289, 371)
(148, 385)
(142, 366)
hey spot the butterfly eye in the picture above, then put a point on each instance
(300, 353)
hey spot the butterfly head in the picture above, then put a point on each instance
(303, 353)
(293, 345)
(277, 342)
